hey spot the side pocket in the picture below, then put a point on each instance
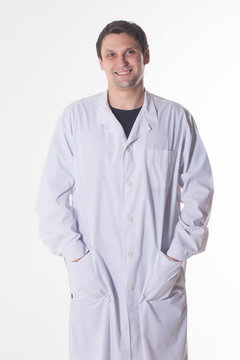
(164, 277)
(69, 263)
(84, 280)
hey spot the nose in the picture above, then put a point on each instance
(123, 61)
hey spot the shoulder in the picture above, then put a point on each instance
(164, 103)
(80, 109)
(83, 103)
(172, 109)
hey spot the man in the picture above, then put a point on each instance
(119, 166)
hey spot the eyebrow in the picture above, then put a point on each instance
(112, 50)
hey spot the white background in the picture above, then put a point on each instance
(48, 60)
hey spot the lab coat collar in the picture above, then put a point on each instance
(145, 121)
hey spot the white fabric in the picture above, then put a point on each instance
(117, 201)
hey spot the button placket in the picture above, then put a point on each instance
(131, 287)
(130, 218)
(129, 238)
(129, 183)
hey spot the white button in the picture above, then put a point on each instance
(130, 218)
(130, 253)
(129, 183)
(131, 287)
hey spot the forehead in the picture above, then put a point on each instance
(119, 42)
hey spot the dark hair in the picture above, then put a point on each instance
(119, 26)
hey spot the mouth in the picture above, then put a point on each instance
(123, 73)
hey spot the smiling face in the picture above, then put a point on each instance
(123, 61)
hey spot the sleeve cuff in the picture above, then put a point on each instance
(75, 251)
(178, 253)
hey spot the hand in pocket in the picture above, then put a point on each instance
(80, 257)
(163, 279)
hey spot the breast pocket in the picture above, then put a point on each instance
(159, 166)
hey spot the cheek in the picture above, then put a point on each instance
(108, 67)
(105, 68)
(109, 70)
(136, 63)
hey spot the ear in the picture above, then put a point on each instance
(101, 63)
(146, 57)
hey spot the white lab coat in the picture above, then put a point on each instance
(117, 201)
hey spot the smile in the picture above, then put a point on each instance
(123, 73)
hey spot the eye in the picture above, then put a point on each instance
(111, 55)
(131, 52)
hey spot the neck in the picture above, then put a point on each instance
(126, 99)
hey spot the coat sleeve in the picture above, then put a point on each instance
(58, 225)
(196, 182)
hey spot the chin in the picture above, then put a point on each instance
(125, 85)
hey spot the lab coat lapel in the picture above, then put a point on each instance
(145, 121)
(106, 118)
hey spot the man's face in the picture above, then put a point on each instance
(123, 61)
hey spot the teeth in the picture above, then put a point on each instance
(123, 72)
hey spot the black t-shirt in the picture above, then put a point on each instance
(126, 118)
